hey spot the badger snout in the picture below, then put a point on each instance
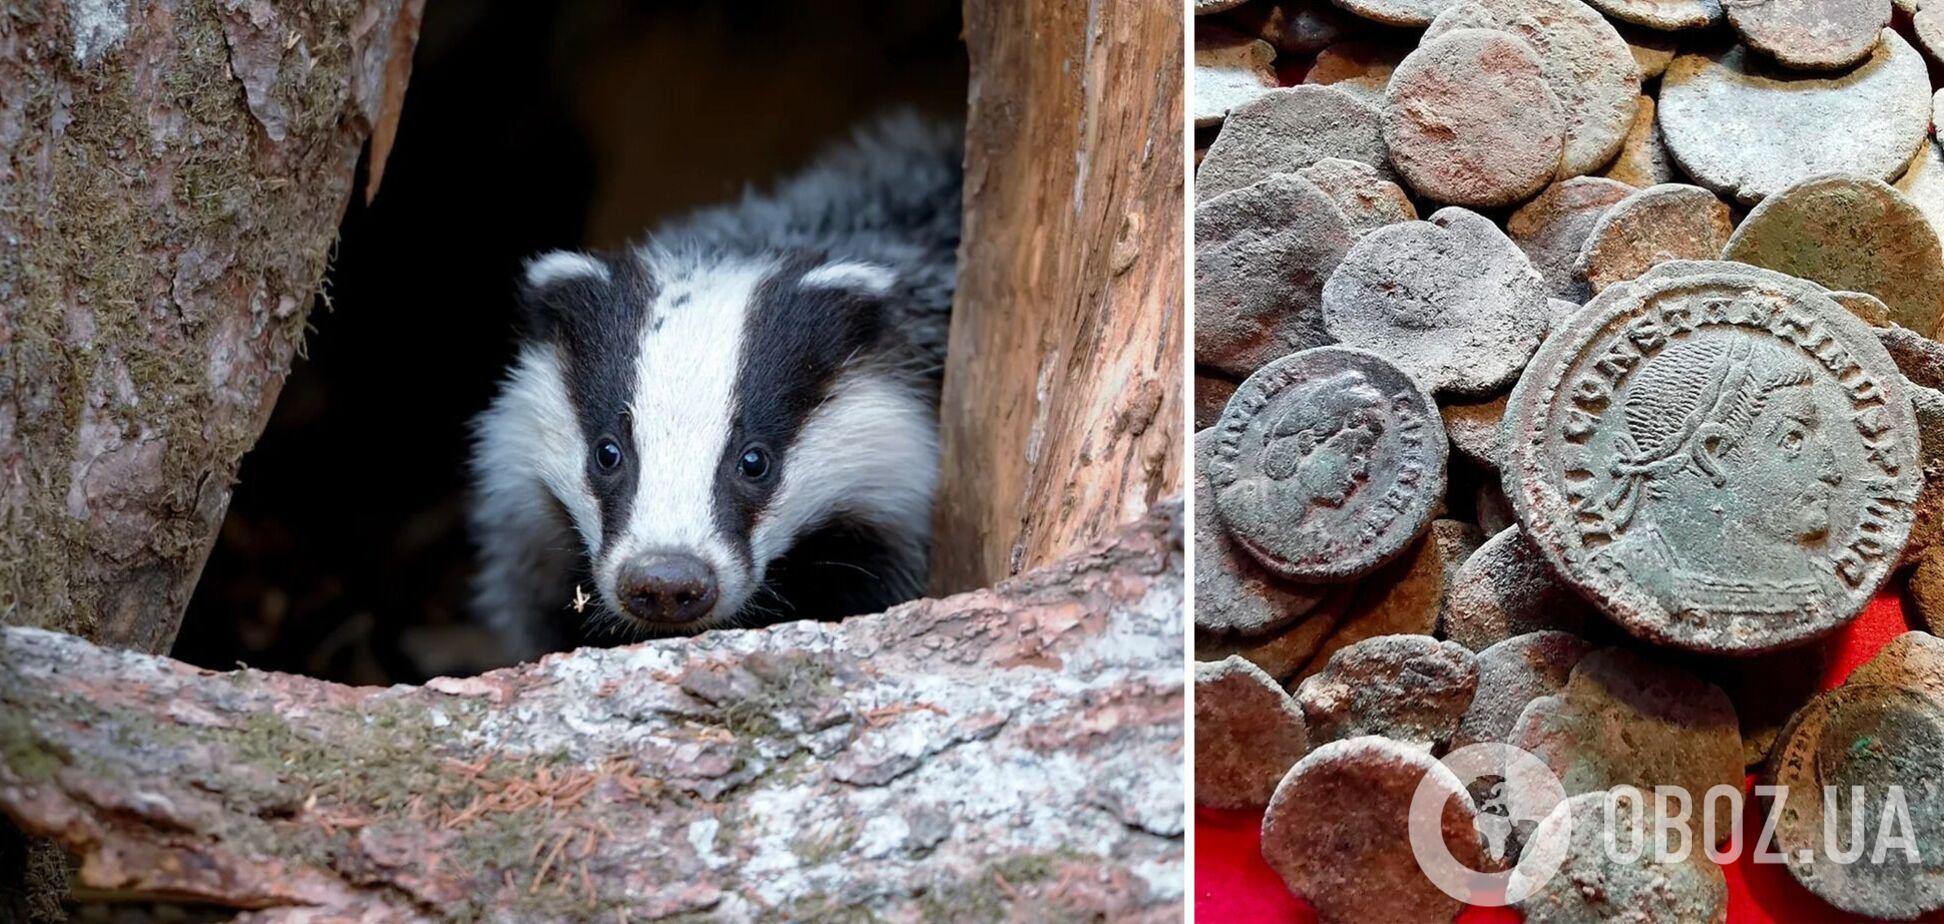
(667, 587)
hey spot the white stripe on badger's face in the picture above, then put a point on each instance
(531, 428)
(870, 450)
(684, 396)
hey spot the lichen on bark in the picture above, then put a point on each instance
(1007, 753)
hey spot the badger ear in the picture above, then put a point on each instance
(858, 276)
(558, 286)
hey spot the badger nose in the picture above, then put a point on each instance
(668, 587)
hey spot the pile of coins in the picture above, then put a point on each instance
(1593, 460)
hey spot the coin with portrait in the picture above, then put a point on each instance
(1327, 463)
(1722, 458)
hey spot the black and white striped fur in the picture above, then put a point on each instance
(808, 324)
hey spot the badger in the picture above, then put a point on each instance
(734, 421)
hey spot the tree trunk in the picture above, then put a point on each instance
(1062, 413)
(1012, 753)
(173, 176)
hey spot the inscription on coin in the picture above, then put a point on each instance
(1724, 460)
(1328, 463)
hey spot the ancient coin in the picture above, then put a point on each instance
(1338, 832)
(1743, 128)
(1507, 589)
(1652, 49)
(1511, 674)
(1280, 654)
(1230, 69)
(1623, 870)
(1853, 757)
(1328, 463)
(1868, 308)
(1923, 182)
(1918, 357)
(1747, 395)
(1927, 27)
(1299, 27)
(1450, 301)
(1261, 255)
(1471, 120)
(1206, 7)
(1408, 13)
(1285, 130)
(1662, 14)
(1367, 200)
(1818, 35)
(1585, 62)
(1405, 597)
(1410, 688)
(1248, 733)
(1212, 391)
(1672, 221)
(1474, 429)
(1361, 69)
(1854, 233)
(1927, 515)
(1643, 159)
(1911, 661)
(1233, 593)
(1552, 228)
(1626, 720)
(1927, 589)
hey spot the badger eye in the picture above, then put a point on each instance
(607, 454)
(754, 463)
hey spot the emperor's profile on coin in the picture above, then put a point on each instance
(1327, 463)
(1722, 479)
(1719, 456)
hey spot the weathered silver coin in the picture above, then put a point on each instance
(1513, 673)
(1261, 255)
(1338, 832)
(1452, 301)
(1410, 688)
(1859, 767)
(1621, 864)
(1328, 463)
(1288, 129)
(1625, 720)
(1248, 733)
(1725, 460)
(1507, 589)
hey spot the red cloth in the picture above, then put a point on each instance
(1232, 883)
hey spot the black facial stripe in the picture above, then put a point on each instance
(597, 326)
(795, 341)
(842, 568)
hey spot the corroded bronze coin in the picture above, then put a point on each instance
(1623, 870)
(1723, 459)
(1338, 832)
(1248, 733)
(1232, 592)
(1410, 688)
(1858, 768)
(1328, 463)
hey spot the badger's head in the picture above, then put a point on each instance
(734, 440)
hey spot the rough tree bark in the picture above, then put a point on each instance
(1063, 389)
(174, 172)
(1009, 753)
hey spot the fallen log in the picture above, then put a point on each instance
(1005, 753)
